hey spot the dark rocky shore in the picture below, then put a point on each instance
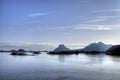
(114, 50)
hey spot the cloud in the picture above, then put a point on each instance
(97, 20)
(84, 27)
(105, 19)
(37, 14)
(59, 28)
(26, 46)
(93, 27)
(107, 10)
(40, 14)
(102, 27)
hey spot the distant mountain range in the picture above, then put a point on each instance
(91, 47)
(100, 47)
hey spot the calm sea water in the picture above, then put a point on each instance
(59, 67)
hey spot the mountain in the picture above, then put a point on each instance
(60, 48)
(114, 50)
(101, 47)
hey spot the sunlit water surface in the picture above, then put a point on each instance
(59, 67)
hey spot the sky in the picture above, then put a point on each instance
(53, 22)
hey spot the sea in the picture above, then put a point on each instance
(59, 67)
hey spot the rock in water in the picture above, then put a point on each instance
(20, 52)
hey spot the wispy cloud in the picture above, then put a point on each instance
(60, 28)
(108, 17)
(84, 27)
(93, 27)
(97, 27)
(107, 10)
(25, 44)
(37, 14)
(96, 20)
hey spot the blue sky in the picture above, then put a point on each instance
(73, 22)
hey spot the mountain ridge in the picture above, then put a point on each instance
(99, 46)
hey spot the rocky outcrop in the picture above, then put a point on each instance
(18, 52)
(36, 52)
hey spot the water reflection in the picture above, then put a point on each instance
(95, 59)
(68, 58)
(115, 59)
(100, 59)
(82, 58)
(61, 58)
